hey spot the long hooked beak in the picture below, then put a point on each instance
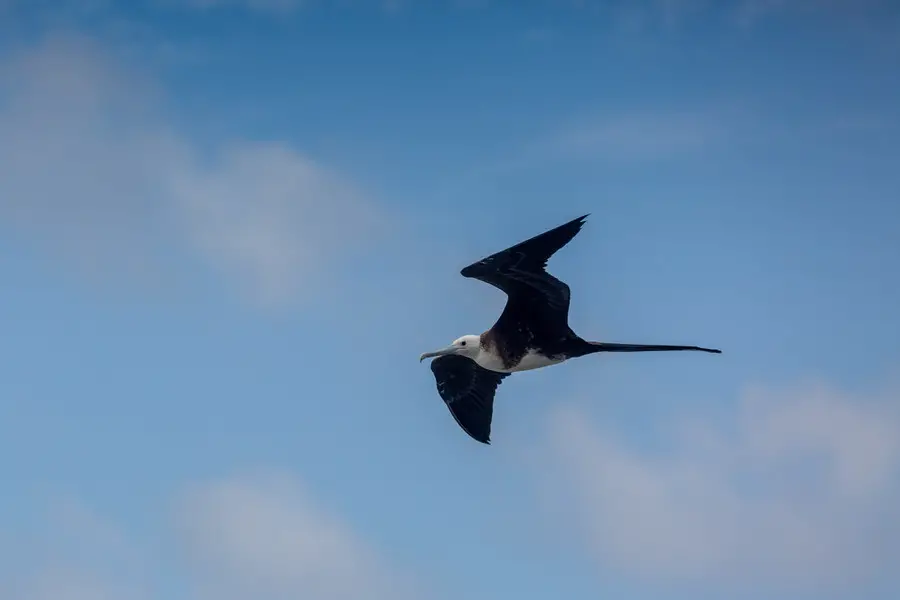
(441, 352)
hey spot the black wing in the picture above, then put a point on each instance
(468, 391)
(533, 294)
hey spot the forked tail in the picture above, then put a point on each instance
(612, 347)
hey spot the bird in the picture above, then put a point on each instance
(532, 332)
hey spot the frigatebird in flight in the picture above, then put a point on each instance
(532, 331)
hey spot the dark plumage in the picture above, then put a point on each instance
(531, 332)
(537, 306)
(468, 391)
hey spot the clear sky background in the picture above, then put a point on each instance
(228, 228)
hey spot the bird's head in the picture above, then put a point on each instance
(467, 345)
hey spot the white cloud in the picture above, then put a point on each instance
(626, 138)
(265, 537)
(282, 7)
(278, 7)
(72, 584)
(639, 136)
(633, 137)
(750, 12)
(261, 537)
(89, 167)
(649, 16)
(76, 555)
(270, 217)
(802, 490)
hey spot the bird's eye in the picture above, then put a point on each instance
(462, 343)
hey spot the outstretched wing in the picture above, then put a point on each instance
(468, 391)
(520, 271)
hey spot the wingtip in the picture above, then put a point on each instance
(486, 440)
(576, 222)
(580, 221)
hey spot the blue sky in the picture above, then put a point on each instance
(229, 228)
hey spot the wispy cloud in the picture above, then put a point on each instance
(803, 490)
(73, 584)
(247, 537)
(616, 137)
(643, 16)
(750, 12)
(280, 8)
(266, 537)
(270, 217)
(77, 555)
(660, 135)
(639, 136)
(89, 168)
(276, 7)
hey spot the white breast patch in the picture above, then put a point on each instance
(531, 360)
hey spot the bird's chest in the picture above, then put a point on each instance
(534, 360)
(492, 361)
(528, 361)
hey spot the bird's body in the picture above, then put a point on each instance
(533, 359)
(489, 358)
(532, 331)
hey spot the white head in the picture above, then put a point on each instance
(467, 345)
